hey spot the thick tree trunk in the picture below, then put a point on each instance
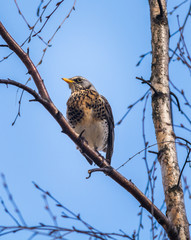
(162, 119)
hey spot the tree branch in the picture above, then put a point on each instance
(24, 87)
(26, 60)
(45, 100)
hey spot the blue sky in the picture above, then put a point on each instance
(102, 41)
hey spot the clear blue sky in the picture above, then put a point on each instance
(102, 41)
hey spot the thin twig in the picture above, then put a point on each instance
(11, 199)
(48, 17)
(148, 83)
(182, 27)
(130, 107)
(186, 161)
(178, 103)
(150, 146)
(182, 93)
(20, 100)
(9, 213)
(68, 15)
(29, 26)
(176, 7)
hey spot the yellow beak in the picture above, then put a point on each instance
(67, 80)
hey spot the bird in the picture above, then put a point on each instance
(90, 115)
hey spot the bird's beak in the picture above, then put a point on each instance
(67, 80)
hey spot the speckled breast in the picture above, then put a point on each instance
(86, 111)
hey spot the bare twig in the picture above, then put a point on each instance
(177, 6)
(186, 161)
(140, 226)
(182, 28)
(4, 58)
(182, 93)
(29, 26)
(146, 163)
(142, 57)
(187, 187)
(9, 213)
(187, 142)
(12, 202)
(26, 60)
(148, 83)
(178, 103)
(68, 15)
(22, 14)
(182, 112)
(183, 127)
(25, 88)
(48, 17)
(130, 107)
(148, 147)
(20, 100)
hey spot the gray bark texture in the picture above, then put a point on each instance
(162, 119)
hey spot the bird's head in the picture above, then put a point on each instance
(78, 83)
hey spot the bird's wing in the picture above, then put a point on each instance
(110, 141)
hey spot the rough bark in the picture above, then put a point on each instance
(162, 119)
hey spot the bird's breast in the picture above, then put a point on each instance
(84, 112)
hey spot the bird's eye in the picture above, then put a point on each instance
(78, 80)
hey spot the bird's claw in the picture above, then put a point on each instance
(107, 170)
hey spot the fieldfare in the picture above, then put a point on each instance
(90, 114)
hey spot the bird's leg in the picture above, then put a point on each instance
(84, 154)
(81, 137)
(86, 157)
(108, 161)
(102, 158)
(107, 170)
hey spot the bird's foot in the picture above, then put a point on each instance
(86, 157)
(107, 170)
(80, 135)
(103, 159)
(82, 138)
(84, 154)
